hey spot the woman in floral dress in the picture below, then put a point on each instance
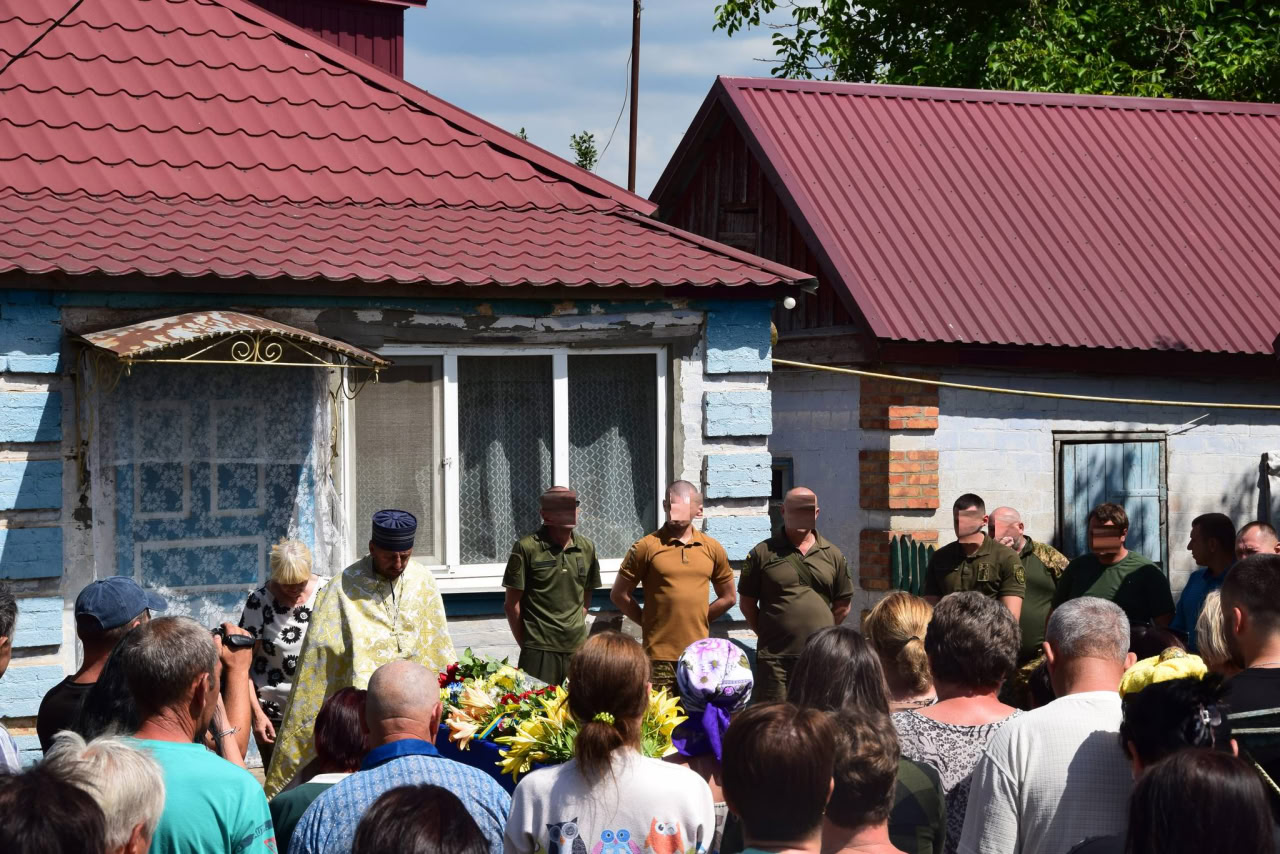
(277, 615)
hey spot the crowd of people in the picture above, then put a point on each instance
(1025, 703)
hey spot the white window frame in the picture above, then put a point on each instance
(454, 576)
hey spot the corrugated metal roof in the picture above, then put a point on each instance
(154, 338)
(1033, 219)
(208, 137)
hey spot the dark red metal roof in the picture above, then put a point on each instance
(209, 137)
(1027, 219)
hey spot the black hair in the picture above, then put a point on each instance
(41, 813)
(1149, 641)
(967, 501)
(421, 819)
(108, 708)
(1253, 584)
(838, 670)
(1166, 717)
(1197, 801)
(1218, 527)
(972, 640)
(8, 611)
(1040, 686)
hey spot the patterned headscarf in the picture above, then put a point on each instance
(714, 677)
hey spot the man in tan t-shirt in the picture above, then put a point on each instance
(676, 565)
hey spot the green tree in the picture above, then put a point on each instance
(1215, 49)
(584, 150)
(522, 134)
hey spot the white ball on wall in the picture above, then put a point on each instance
(789, 302)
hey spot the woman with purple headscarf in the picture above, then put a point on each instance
(714, 679)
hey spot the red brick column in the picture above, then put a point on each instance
(895, 405)
(873, 554)
(898, 480)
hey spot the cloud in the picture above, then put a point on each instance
(559, 67)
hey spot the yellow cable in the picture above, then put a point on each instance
(996, 390)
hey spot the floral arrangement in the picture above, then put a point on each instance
(490, 700)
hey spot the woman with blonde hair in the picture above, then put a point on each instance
(896, 628)
(610, 796)
(277, 615)
(1211, 636)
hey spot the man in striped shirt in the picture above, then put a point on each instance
(402, 714)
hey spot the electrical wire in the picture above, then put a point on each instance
(786, 363)
(626, 90)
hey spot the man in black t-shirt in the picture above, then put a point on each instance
(106, 611)
(1251, 612)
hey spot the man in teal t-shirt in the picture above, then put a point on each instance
(1112, 572)
(211, 806)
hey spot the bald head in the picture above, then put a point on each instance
(683, 504)
(1004, 525)
(559, 507)
(800, 511)
(403, 699)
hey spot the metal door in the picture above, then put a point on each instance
(1128, 473)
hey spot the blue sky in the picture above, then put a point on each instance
(556, 67)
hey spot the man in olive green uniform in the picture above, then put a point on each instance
(549, 580)
(975, 561)
(792, 584)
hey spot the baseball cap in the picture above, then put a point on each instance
(111, 602)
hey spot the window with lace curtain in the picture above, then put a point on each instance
(467, 439)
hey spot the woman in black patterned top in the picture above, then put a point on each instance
(277, 615)
(972, 643)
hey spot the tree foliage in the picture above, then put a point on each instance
(1178, 48)
(584, 150)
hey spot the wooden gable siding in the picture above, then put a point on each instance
(729, 199)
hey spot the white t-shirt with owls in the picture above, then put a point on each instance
(644, 806)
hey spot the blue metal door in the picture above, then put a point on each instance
(1130, 474)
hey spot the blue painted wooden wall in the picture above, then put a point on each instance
(1130, 474)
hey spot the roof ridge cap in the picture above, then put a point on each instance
(495, 136)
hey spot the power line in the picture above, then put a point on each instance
(626, 90)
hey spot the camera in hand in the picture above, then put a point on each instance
(233, 641)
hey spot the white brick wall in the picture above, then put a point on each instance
(1001, 447)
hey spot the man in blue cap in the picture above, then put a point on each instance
(385, 607)
(106, 611)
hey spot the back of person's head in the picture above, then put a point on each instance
(972, 641)
(340, 742)
(1197, 801)
(162, 658)
(895, 628)
(1169, 716)
(777, 771)
(126, 783)
(108, 707)
(1040, 686)
(608, 695)
(969, 501)
(1253, 586)
(1148, 641)
(1088, 627)
(1211, 636)
(866, 770)
(8, 611)
(290, 562)
(1218, 528)
(42, 813)
(403, 697)
(837, 670)
(420, 819)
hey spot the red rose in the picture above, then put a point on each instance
(444, 680)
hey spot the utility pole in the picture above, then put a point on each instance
(635, 85)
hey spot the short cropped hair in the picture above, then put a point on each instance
(1217, 527)
(1253, 584)
(290, 562)
(967, 501)
(41, 813)
(1109, 513)
(125, 781)
(1088, 627)
(8, 611)
(777, 769)
(866, 770)
(1265, 527)
(972, 640)
(421, 819)
(684, 489)
(161, 659)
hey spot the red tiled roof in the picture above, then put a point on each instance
(209, 137)
(1029, 219)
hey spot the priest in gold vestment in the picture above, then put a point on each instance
(384, 607)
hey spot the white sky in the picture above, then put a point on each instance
(557, 67)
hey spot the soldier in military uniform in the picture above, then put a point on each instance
(792, 584)
(549, 580)
(975, 561)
